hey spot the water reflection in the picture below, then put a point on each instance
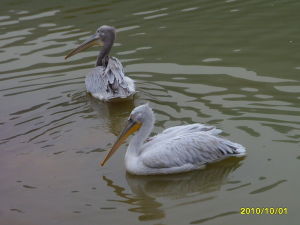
(193, 187)
(114, 112)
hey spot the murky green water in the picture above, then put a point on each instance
(232, 64)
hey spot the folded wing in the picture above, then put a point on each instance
(196, 148)
(110, 81)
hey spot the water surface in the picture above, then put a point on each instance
(231, 64)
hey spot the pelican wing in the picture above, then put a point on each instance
(110, 81)
(185, 129)
(115, 71)
(196, 127)
(197, 148)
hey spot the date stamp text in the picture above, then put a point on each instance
(263, 211)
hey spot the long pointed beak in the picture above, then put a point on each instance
(93, 40)
(130, 128)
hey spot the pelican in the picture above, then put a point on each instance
(175, 150)
(107, 81)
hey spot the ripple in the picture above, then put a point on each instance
(289, 89)
(214, 217)
(4, 17)
(149, 12)
(249, 89)
(155, 16)
(29, 109)
(47, 25)
(170, 68)
(212, 60)
(29, 187)
(234, 10)
(39, 15)
(17, 210)
(238, 187)
(127, 28)
(9, 22)
(190, 9)
(266, 188)
(250, 131)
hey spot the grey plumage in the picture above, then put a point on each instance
(109, 82)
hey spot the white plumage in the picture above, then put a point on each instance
(176, 149)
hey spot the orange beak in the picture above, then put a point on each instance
(130, 128)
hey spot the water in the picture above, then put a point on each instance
(231, 64)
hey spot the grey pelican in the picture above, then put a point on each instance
(107, 81)
(175, 150)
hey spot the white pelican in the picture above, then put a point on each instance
(176, 149)
(107, 81)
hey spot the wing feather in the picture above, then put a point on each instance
(110, 81)
(195, 148)
(183, 129)
(196, 127)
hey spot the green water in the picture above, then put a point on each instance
(231, 64)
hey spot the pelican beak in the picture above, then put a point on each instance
(130, 128)
(93, 40)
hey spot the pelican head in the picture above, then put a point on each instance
(104, 36)
(140, 113)
(139, 116)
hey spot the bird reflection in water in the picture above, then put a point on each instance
(114, 112)
(193, 187)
